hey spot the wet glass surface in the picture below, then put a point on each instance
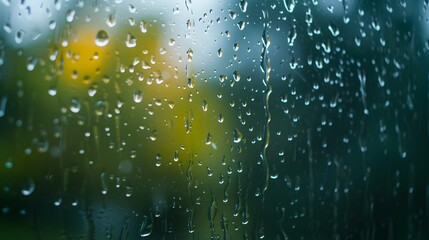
(287, 119)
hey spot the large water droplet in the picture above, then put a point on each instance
(138, 96)
(75, 105)
(146, 227)
(237, 136)
(131, 41)
(28, 187)
(101, 39)
(334, 29)
(289, 5)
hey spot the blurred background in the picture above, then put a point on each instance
(239, 119)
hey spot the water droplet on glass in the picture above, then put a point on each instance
(146, 227)
(75, 105)
(28, 187)
(236, 46)
(220, 118)
(241, 25)
(52, 91)
(171, 42)
(219, 52)
(334, 29)
(101, 39)
(143, 26)
(31, 63)
(232, 15)
(236, 75)
(52, 24)
(204, 105)
(237, 136)
(103, 180)
(131, 41)
(111, 20)
(70, 15)
(289, 5)
(138, 96)
(190, 53)
(19, 36)
(7, 27)
(208, 139)
(243, 5)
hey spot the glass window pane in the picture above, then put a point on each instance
(238, 119)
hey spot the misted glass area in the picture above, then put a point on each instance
(235, 119)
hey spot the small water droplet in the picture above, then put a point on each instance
(19, 36)
(208, 139)
(220, 118)
(204, 105)
(219, 52)
(190, 53)
(236, 75)
(241, 25)
(171, 42)
(232, 15)
(236, 46)
(143, 26)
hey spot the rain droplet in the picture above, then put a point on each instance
(138, 96)
(334, 29)
(131, 41)
(222, 78)
(236, 46)
(219, 52)
(236, 76)
(31, 63)
(146, 227)
(190, 53)
(28, 187)
(208, 139)
(220, 118)
(171, 42)
(3, 106)
(70, 15)
(52, 91)
(243, 5)
(232, 15)
(19, 36)
(241, 25)
(289, 5)
(204, 106)
(101, 39)
(7, 28)
(75, 105)
(143, 26)
(103, 180)
(111, 20)
(237, 136)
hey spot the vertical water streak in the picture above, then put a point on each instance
(311, 183)
(266, 69)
